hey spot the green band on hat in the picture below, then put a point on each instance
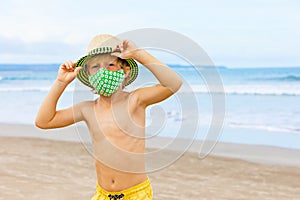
(100, 50)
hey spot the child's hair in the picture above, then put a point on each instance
(123, 63)
(120, 62)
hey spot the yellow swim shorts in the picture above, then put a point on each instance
(142, 191)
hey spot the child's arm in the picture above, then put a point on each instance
(169, 81)
(47, 116)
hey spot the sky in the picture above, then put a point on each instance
(248, 33)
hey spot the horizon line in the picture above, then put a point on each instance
(172, 64)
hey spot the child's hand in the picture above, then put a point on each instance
(67, 72)
(127, 49)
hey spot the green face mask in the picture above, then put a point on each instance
(106, 82)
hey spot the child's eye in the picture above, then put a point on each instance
(95, 66)
(111, 64)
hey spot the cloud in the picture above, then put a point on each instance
(17, 51)
(232, 32)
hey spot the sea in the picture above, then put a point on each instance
(256, 106)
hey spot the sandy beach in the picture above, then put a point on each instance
(39, 168)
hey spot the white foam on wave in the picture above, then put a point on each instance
(30, 89)
(24, 89)
(266, 128)
(292, 90)
(284, 90)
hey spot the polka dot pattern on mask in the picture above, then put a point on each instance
(106, 82)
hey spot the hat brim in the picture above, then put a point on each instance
(83, 77)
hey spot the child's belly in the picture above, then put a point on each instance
(113, 180)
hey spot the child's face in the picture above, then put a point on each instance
(102, 61)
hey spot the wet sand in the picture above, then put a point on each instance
(33, 168)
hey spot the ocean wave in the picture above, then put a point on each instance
(24, 78)
(271, 90)
(275, 90)
(287, 78)
(266, 128)
(30, 89)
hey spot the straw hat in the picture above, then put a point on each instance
(102, 44)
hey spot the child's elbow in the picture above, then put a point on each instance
(41, 125)
(178, 85)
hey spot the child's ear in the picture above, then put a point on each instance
(126, 70)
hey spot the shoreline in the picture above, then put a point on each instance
(261, 154)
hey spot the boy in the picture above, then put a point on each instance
(116, 120)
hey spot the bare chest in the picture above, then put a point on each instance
(118, 122)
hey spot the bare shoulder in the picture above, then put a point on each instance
(85, 105)
(150, 95)
(84, 109)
